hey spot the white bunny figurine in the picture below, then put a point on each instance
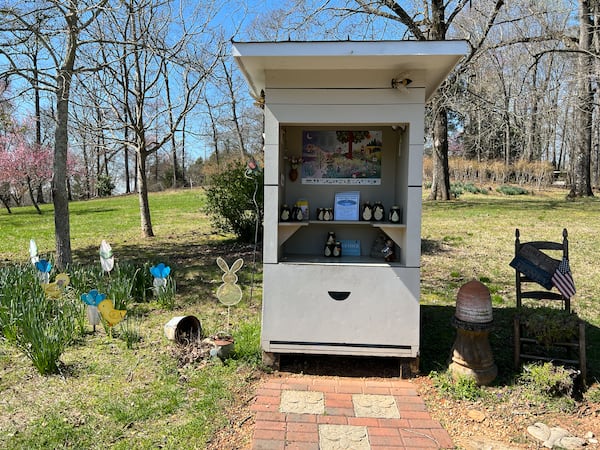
(229, 293)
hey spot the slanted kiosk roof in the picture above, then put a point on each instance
(434, 59)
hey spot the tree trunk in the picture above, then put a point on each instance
(126, 165)
(5, 196)
(31, 194)
(6, 204)
(143, 194)
(583, 115)
(171, 126)
(38, 124)
(60, 197)
(59, 180)
(183, 150)
(440, 186)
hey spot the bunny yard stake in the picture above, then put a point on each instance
(229, 294)
(219, 344)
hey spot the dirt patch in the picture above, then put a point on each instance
(504, 421)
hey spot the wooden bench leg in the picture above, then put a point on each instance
(517, 343)
(582, 354)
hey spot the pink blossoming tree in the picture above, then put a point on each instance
(25, 166)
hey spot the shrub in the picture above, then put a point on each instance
(129, 331)
(105, 185)
(140, 278)
(550, 325)
(118, 286)
(45, 330)
(512, 190)
(470, 187)
(231, 198)
(593, 394)
(459, 388)
(165, 295)
(548, 380)
(456, 190)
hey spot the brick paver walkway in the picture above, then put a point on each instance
(325, 413)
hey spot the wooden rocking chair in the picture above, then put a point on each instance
(535, 263)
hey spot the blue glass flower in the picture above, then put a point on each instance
(92, 298)
(43, 266)
(160, 271)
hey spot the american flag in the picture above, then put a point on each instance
(563, 280)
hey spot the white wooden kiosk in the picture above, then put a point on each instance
(372, 94)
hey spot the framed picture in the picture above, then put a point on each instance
(346, 206)
(344, 157)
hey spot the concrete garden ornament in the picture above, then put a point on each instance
(44, 267)
(33, 252)
(108, 312)
(57, 288)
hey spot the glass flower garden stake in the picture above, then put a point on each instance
(33, 251)
(44, 267)
(92, 299)
(55, 289)
(107, 260)
(111, 315)
(160, 272)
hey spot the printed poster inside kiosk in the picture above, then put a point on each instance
(341, 157)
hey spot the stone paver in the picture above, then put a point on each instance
(343, 437)
(302, 402)
(372, 405)
(329, 413)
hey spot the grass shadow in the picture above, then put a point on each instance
(432, 247)
(438, 335)
(437, 338)
(527, 203)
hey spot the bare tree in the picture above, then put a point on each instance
(432, 21)
(170, 118)
(61, 31)
(141, 36)
(425, 20)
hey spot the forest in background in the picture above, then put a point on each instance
(139, 95)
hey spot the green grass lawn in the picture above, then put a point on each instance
(109, 395)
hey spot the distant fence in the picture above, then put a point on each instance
(535, 173)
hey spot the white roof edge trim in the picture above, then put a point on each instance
(437, 57)
(349, 48)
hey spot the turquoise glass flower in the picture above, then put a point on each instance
(93, 298)
(160, 271)
(43, 266)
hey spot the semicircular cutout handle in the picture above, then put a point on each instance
(339, 295)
